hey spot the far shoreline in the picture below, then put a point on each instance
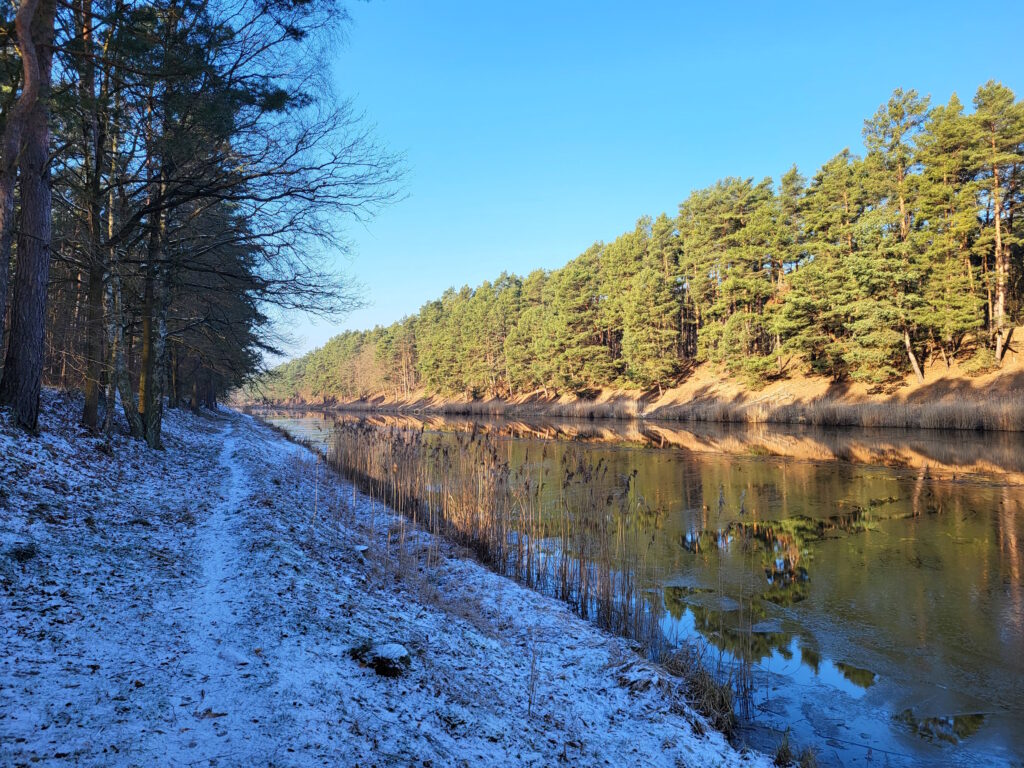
(948, 398)
(1001, 413)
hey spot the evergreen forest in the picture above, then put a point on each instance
(906, 254)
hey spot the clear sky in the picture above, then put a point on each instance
(533, 129)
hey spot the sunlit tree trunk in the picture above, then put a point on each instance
(1002, 263)
(912, 357)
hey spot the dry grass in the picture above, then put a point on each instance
(618, 408)
(573, 541)
(565, 527)
(708, 693)
(1002, 412)
(785, 755)
(999, 413)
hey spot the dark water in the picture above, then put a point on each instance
(874, 579)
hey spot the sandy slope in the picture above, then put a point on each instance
(707, 384)
(183, 607)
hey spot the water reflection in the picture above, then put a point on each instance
(864, 678)
(878, 597)
(951, 454)
(952, 729)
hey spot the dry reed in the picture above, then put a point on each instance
(565, 526)
(978, 412)
(1003, 413)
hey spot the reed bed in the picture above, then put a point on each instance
(566, 526)
(577, 541)
(616, 408)
(997, 413)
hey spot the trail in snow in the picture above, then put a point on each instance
(218, 655)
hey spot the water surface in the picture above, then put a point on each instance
(873, 579)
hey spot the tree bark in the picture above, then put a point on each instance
(113, 350)
(173, 374)
(912, 356)
(94, 151)
(1002, 263)
(93, 346)
(23, 367)
(10, 146)
(147, 368)
(119, 350)
(154, 334)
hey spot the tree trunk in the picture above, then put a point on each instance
(146, 355)
(211, 394)
(93, 345)
(120, 350)
(7, 179)
(23, 367)
(173, 374)
(10, 146)
(94, 151)
(913, 358)
(1002, 266)
(11, 143)
(154, 334)
(68, 340)
(113, 350)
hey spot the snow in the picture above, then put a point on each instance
(390, 651)
(205, 605)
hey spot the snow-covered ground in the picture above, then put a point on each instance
(220, 603)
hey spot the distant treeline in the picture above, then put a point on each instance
(880, 262)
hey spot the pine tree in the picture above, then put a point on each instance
(617, 264)
(948, 156)
(814, 319)
(728, 235)
(789, 250)
(867, 272)
(527, 360)
(999, 134)
(651, 334)
(889, 269)
(575, 328)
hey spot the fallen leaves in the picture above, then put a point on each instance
(208, 714)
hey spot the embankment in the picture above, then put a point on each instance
(229, 601)
(949, 398)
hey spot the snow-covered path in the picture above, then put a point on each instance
(218, 639)
(220, 708)
(182, 607)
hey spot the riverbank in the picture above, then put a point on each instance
(949, 398)
(228, 601)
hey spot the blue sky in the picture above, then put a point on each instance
(533, 129)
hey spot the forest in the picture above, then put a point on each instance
(877, 264)
(169, 171)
